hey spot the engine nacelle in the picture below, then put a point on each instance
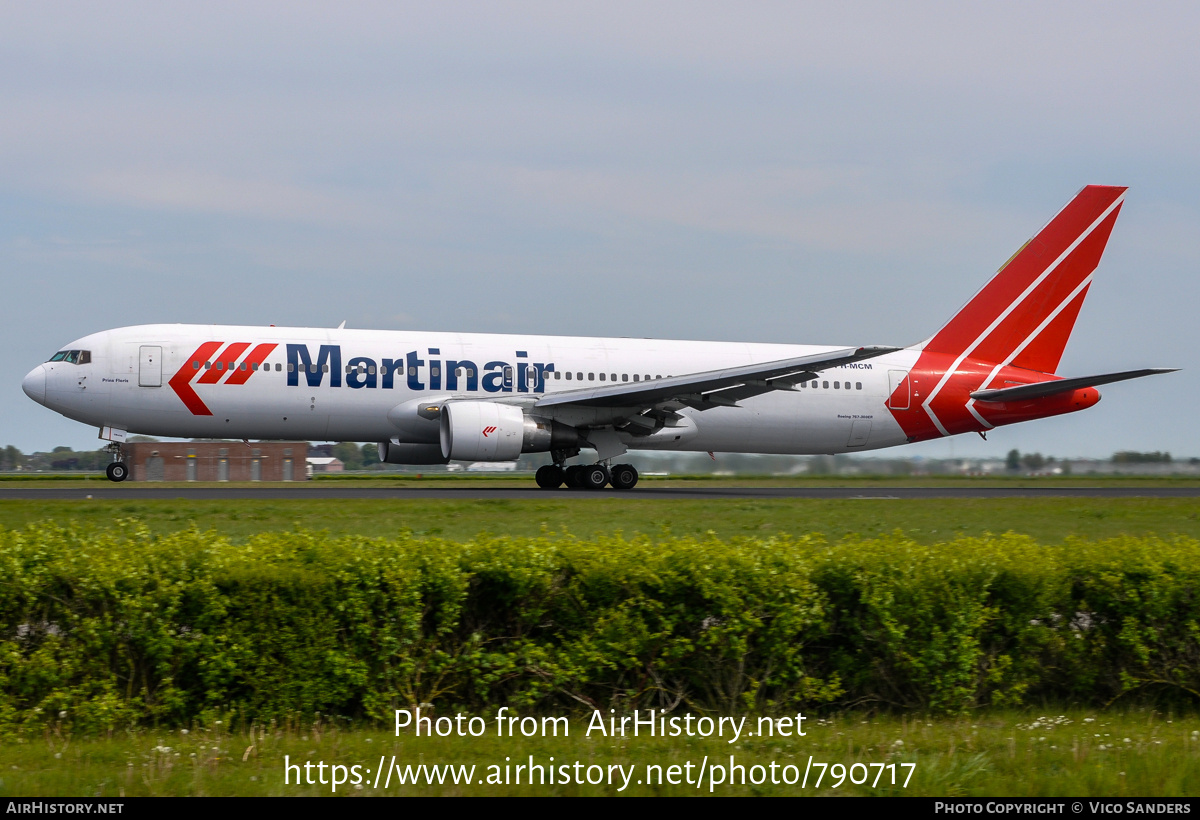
(418, 420)
(481, 431)
(490, 431)
(404, 452)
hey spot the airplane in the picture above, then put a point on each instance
(436, 397)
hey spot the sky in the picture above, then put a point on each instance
(817, 173)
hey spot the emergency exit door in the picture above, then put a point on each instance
(150, 366)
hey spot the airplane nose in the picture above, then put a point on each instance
(34, 384)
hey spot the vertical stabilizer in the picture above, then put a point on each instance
(1025, 314)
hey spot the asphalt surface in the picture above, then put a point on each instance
(300, 492)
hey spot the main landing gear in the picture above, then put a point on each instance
(586, 477)
(117, 471)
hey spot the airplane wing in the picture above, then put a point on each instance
(713, 388)
(1043, 389)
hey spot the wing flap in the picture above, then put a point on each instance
(1040, 390)
(714, 387)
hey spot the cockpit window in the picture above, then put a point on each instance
(73, 356)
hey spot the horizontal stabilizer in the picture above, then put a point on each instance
(1042, 389)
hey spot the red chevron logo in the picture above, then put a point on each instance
(487, 430)
(225, 364)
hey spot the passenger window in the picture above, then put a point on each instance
(208, 365)
(568, 375)
(579, 376)
(470, 372)
(349, 369)
(434, 371)
(412, 371)
(836, 385)
(243, 367)
(371, 370)
(325, 368)
(278, 366)
(291, 367)
(825, 385)
(858, 385)
(557, 375)
(591, 377)
(601, 377)
(635, 376)
(195, 365)
(253, 367)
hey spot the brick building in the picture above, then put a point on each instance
(216, 460)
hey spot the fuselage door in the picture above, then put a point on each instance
(898, 389)
(150, 366)
(860, 431)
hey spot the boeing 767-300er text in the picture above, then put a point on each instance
(432, 397)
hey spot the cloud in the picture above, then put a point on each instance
(213, 193)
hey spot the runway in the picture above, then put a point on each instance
(300, 492)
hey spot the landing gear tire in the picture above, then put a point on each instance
(549, 477)
(624, 477)
(117, 471)
(595, 477)
(573, 477)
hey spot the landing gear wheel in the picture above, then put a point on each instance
(549, 477)
(573, 477)
(117, 471)
(624, 477)
(595, 476)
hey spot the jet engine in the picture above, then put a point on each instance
(490, 431)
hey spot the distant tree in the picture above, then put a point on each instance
(1134, 457)
(370, 455)
(349, 454)
(11, 459)
(1033, 461)
(1013, 462)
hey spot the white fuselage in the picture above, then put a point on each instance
(139, 379)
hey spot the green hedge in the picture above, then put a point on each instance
(100, 629)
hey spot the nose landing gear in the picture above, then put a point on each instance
(117, 471)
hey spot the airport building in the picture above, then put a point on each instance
(216, 460)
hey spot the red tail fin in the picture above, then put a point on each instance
(1025, 314)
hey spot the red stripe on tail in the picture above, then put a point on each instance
(1032, 284)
